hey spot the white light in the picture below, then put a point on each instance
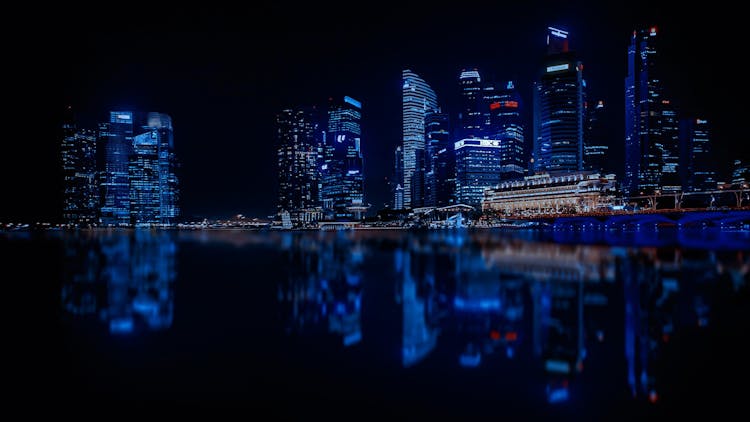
(558, 32)
(558, 67)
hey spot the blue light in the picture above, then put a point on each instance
(121, 325)
(353, 102)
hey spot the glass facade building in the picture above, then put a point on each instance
(478, 164)
(595, 147)
(299, 141)
(506, 125)
(471, 118)
(342, 171)
(559, 108)
(78, 154)
(115, 147)
(439, 171)
(644, 152)
(418, 99)
(695, 142)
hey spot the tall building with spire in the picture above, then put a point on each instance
(418, 99)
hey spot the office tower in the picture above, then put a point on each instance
(699, 168)
(342, 172)
(169, 191)
(477, 168)
(438, 168)
(471, 123)
(650, 126)
(559, 108)
(397, 191)
(506, 125)
(670, 147)
(595, 146)
(298, 139)
(78, 153)
(418, 99)
(143, 173)
(115, 145)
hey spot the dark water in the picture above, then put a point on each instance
(460, 324)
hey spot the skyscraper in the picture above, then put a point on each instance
(115, 146)
(298, 140)
(471, 122)
(169, 192)
(507, 127)
(439, 153)
(595, 147)
(143, 172)
(342, 188)
(559, 108)
(78, 153)
(670, 147)
(397, 189)
(418, 99)
(477, 168)
(644, 153)
(699, 172)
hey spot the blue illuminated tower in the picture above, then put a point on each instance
(477, 168)
(595, 148)
(471, 121)
(115, 146)
(439, 161)
(699, 172)
(506, 126)
(644, 152)
(559, 108)
(342, 171)
(418, 99)
(143, 171)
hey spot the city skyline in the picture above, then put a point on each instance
(239, 120)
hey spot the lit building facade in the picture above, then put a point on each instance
(544, 194)
(298, 139)
(644, 119)
(477, 168)
(740, 173)
(418, 99)
(397, 190)
(169, 190)
(506, 125)
(143, 172)
(700, 173)
(342, 171)
(440, 177)
(471, 119)
(80, 188)
(559, 108)
(595, 148)
(115, 147)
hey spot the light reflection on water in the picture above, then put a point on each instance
(567, 313)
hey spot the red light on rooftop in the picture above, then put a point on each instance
(511, 336)
(494, 335)
(494, 106)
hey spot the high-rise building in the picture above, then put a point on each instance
(477, 168)
(143, 173)
(595, 146)
(418, 99)
(559, 108)
(471, 119)
(169, 192)
(298, 139)
(670, 147)
(644, 140)
(439, 171)
(699, 172)
(115, 145)
(342, 171)
(78, 153)
(506, 125)
(397, 190)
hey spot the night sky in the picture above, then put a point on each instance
(222, 74)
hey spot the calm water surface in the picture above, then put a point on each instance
(565, 325)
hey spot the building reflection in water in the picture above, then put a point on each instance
(323, 289)
(125, 278)
(500, 297)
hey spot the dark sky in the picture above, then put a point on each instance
(223, 73)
